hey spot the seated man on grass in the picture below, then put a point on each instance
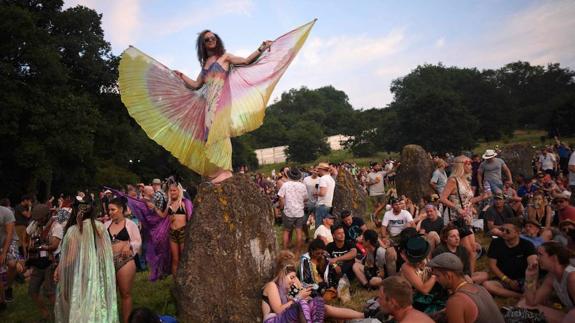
(508, 260)
(371, 271)
(341, 252)
(560, 279)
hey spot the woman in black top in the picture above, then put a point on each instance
(126, 242)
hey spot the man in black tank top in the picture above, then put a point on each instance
(468, 302)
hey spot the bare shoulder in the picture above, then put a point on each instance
(416, 316)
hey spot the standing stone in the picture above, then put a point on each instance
(414, 173)
(518, 158)
(348, 195)
(228, 254)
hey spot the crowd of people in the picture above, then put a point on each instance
(79, 254)
(422, 255)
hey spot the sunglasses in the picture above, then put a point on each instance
(209, 39)
(506, 231)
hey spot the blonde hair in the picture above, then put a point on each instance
(180, 197)
(458, 167)
(285, 261)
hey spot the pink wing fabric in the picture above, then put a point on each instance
(177, 118)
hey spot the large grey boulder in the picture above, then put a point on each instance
(228, 254)
(348, 195)
(414, 173)
(518, 158)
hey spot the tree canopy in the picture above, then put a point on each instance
(64, 127)
(63, 124)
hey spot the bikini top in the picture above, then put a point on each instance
(122, 235)
(179, 211)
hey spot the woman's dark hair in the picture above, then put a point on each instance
(203, 53)
(445, 232)
(554, 248)
(143, 315)
(120, 201)
(315, 245)
(82, 210)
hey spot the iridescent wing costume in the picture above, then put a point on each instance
(86, 290)
(196, 125)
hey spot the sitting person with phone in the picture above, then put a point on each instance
(285, 300)
(316, 272)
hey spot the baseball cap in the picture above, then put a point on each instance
(156, 181)
(330, 216)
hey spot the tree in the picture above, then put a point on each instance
(243, 154)
(437, 121)
(306, 142)
(64, 127)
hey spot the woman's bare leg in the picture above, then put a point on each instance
(125, 280)
(342, 313)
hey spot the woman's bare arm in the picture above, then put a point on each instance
(236, 60)
(192, 84)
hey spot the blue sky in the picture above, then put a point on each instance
(356, 46)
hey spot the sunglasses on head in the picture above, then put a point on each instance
(209, 39)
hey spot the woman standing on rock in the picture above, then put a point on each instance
(194, 119)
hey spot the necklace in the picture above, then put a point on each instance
(459, 286)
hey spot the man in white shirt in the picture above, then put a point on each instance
(311, 184)
(547, 162)
(293, 195)
(326, 187)
(376, 186)
(324, 231)
(395, 220)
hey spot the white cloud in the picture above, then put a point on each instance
(121, 19)
(440, 42)
(540, 34)
(349, 63)
(200, 16)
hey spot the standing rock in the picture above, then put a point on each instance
(414, 173)
(348, 195)
(518, 158)
(228, 254)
